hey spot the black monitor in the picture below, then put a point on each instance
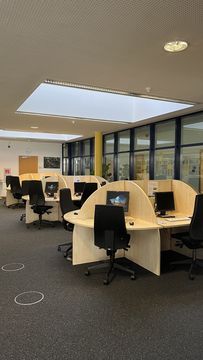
(51, 187)
(118, 198)
(8, 180)
(164, 201)
(79, 187)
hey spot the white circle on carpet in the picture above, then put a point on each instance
(26, 295)
(13, 267)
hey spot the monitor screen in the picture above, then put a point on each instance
(51, 187)
(118, 198)
(164, 201)
(79, 187)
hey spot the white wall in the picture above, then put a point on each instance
(9, 155)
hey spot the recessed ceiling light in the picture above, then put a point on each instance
(34, 127)
(175, 46)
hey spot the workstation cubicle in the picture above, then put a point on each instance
(149, 234)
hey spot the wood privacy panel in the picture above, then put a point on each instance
(28, 164)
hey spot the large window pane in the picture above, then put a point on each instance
(76, 166)
(192, 129)
(65, 166)
(142, 138)
(124, 140)
(108, 168)
(164, 164)
(191, 169)
(86, 165)
(123, 166)
(165, 134)
(86, 147)
(76, 149)
(141, 162)
(65, 150)
(109, 143)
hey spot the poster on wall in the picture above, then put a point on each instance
(7, 171)
(52, 162)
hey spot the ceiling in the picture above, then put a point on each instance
(107, 44)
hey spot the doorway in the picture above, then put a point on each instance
(28, 164)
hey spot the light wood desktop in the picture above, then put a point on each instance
(149, 234)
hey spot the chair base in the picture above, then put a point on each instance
(111, 266)
(67, 251)
(40, 222)
(193, 262)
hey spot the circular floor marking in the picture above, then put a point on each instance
(24, 294)
(13, 267)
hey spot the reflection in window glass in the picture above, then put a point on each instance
(123, 166)
(124, 140)
(65, 150)
(165, 134)
(109, 143)
(86, 165)
(76, 166)
(191, 166)
(192, 129)
(86, 147)
(164, 164)
(76, 148)
(142, 138)
(141, 162)
(65, 166)
(108, 168)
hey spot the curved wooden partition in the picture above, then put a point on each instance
(184, 196)
(145, 240)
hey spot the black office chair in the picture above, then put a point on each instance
(193, 239)
(66, 205)
(25, 191)
(15, 187)
(37, 200)
(110, 233)
(8, 180)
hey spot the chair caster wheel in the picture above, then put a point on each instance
(65, 255)
(106, 282)
(59, 248)
(87, 273)
(133, 277)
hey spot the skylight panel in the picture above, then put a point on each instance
(37, 136)
(83, 103)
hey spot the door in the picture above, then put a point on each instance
(28, 164)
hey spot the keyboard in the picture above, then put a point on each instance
(177, 219)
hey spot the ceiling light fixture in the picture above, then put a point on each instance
(34, 127)
(176, 46)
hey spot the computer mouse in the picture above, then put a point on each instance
(75, 213)
(131, 222)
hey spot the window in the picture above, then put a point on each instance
(192, 129)
(123, 166)
(164, 164)
(109, 143)
(165, 134)
(86, 147)
(191, 166)
(142, 138)
(108, 167)
(124, 141)
(141, 165)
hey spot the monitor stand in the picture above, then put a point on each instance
(163, 214)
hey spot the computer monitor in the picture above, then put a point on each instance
(51, 187)
(118, 198)
(164, 201)
(79, 187)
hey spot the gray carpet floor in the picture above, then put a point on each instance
(151, 318)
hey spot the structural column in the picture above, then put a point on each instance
(98, 154)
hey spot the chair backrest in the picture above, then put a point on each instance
(36, 194)
(196, 225)
(15, 185)
(66, 203)
(89, 188)
(8, 180)
(109, 227)
(25, 187)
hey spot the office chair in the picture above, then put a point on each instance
(8, 180)
(25, 191)
(37, 200)
(66, 205)
(193, 239)
(16, 190)
(110, 233)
